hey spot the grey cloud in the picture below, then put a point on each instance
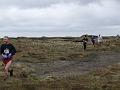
(42, 3)
(29, 3)
(39, 3)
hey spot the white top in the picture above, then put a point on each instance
(100, 38)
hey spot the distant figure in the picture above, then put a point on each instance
(7, 52)
(100, 40)
(93, 40)
(85, 40)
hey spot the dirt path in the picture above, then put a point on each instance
(75, 67)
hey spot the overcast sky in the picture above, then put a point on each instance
(59, 17)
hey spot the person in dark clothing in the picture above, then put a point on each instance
(7, 51)
(93, 40)
(85, 40)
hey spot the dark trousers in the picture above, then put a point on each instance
(93, 43)
(84, 45)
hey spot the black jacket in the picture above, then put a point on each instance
(7, 48)
(85, 40)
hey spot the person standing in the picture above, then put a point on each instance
(7, 51)
(85, 40)
(100, 40)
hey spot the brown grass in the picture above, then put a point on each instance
(46, 50)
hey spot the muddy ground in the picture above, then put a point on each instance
(61, 68)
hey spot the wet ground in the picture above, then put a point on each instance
(79, 66)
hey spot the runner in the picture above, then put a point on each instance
(85, 40)
(93, 40)
(7, 52)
